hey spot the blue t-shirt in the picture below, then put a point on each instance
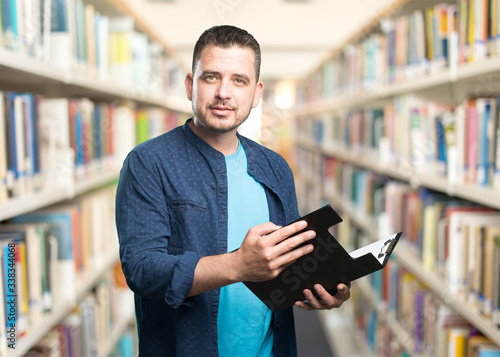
(243, 322)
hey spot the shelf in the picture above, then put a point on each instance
(96, 182)
(459, 305)
(481, 195)
(41, 328)
(341, 333)
(33, 201)
(117, 332)
(459, 82)
(435, 284)
(22, 73)
(403, 337)
(369, 163)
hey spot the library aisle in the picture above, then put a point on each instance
(388, 110)
(311, 338)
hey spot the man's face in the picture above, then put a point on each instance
(223, 88)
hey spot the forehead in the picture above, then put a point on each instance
(234, 59)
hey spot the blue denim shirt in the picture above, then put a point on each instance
(171, 210)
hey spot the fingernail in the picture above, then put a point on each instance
(310, 234)
(309, 248)
(303, 224)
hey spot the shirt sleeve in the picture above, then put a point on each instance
(143, 225)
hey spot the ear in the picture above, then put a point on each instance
(188, 81)
(259, 87)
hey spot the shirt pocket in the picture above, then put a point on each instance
(187, 220)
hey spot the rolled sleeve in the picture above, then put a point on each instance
(182, 281)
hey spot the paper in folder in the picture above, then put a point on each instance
(328, 264)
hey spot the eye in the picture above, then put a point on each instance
(210, 78)
(240, 81)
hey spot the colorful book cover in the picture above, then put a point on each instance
(472, 142)
(62, 230)
(471, 36)
(9, 246)
(463, 42)
(5, 19)
(483, 107)
(97, 132)
(59, 16)
(3, 150)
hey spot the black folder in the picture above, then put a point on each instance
(328, 264)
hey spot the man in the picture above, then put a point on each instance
(194, 209)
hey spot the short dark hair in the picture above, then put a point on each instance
(226, 36)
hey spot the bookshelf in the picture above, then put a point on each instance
(48, 323)
(406, 259)
(358, 125)
(155, 93)
(343, 343)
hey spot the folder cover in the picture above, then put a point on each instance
(328, 264)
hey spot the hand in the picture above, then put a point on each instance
(266, 251)
(325, 301)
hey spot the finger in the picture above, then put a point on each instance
(327, 300)
(304, 305)
(291, 243)
(343, 293)
(314, 303)
(264, 229)
(286, 259)
(287, 231)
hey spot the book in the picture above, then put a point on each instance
(61, 228)
(3, 151)
(328, 264)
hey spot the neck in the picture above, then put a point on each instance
(226, 143)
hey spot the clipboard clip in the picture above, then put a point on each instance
(387, 248)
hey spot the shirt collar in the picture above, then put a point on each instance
(199, 143)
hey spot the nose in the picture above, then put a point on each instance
(224, 90)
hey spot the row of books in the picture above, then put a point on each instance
(398, 316)
(379, 337)
(75, 36)
(460, 143)
(56, 141)
(408, 47)
(454, 239)
(426, 327)
(88, 330)
(47, 253)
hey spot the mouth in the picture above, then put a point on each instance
(220, 110)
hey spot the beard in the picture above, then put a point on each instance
(219, 123)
